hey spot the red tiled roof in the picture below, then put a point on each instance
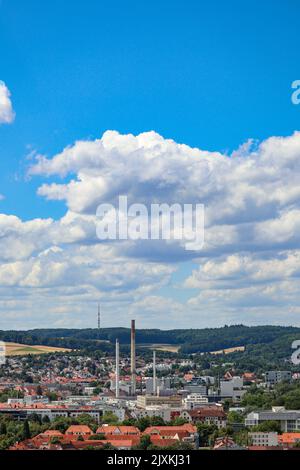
(188, 377)
(249, 375)
(155, 440)
(123, 437)
(289, 437)
(190, 428)
(114, 442)
(207, 413)
(121, 443)
(51, 433)
(224, 442)
(117, 430)
(78, 429)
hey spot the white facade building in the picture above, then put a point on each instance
(289, 419)
(232, 388)
(194, 400)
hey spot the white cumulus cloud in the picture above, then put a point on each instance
(7, 113)
(248, 270)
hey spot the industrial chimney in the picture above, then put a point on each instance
(133, 373)
(117, 369)
(154, 373)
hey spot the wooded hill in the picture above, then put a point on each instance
(189, 340)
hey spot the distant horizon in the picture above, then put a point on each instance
(160, 329)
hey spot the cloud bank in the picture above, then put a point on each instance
(248, 270)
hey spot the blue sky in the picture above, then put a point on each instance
(210, 75)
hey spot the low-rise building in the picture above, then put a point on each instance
(79, 430)
(232, 388)
(163, 411)
(194, 400)
(174, 401)
(109, 430)
(263, 439)
(289, 420)
(289, 439)
(274, 377)
(185, 432)
(213, 415)
(22, 412)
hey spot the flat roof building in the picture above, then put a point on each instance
(173, 401)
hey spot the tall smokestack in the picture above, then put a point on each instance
(117, 369)
(154, 373)
(133, 373)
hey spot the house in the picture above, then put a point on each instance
(118, 430)
(43, 441)
(228, 375)
(289, 438)
(208, 415)
(79, 430)
(249, 377)
(186, 432)
(30, 445)
(188, 377)
(120, 437)
(159, 442)
(118, 443)
(121, 444)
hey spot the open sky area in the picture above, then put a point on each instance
(164, 102)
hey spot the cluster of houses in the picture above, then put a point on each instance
(79, 437)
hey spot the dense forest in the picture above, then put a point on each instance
(266, 340)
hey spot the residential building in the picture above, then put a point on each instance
(163, 411)
(109, 430)
(264, 439)
(274, 377)
(232, 388)
(289, 439)
(79, 430)
(208, 415)
(185, 432)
